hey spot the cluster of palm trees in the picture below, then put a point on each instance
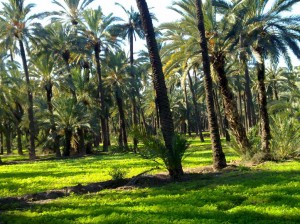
(208, 69)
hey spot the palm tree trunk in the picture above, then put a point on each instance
(1, 143)
(187, 105)
(262, 101)
(81, 142)
(165, 114)
(231, 110)
(19, 139)
(248, 95)
(197, 114)
(8, 137)
(219, 160)
(68, 137)
(102, 98)
(32, 155)
(56, 137)
(122, 119)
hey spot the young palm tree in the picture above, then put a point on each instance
(165, 114)
(16, 20)
(218, 155)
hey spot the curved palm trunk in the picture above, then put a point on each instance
(101, 97)
(56, 145)
(219, 160)
(264, 117)
(165, 115)
(197, 114)
(32, 155)
(231, 110)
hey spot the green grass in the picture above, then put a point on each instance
(268, 193)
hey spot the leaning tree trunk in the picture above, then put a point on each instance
(102, 98)
(264, 117)
(165, 114)
(32, 155)
(219, 160)
(231, 110)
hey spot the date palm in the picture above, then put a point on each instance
(15, 22)
(96, 29)
(165, 114)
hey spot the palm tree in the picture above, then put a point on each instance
(71, 10)
(116, 66)
(129, 30)
(218, 155)
(270, 35)
(165, 114)
(16, 19)
(96, 28)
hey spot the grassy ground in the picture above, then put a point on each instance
(268, 193)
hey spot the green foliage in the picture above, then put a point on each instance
(117, 173)
(285, 141)
(154, 147)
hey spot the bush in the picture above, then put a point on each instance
(117, 173)
(285, 141)
(154, 148)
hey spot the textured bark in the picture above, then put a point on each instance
(56, 137)
(187, 105)
(101, 98)
(133, 100)
(197, 114)
(68, 137)
(165, 115)
(219, 160)
(32, 155)
(8, 137)
(122, 120)
(248, 94)
(81, 142)
(231, 110)
(19, 140)
(264, 117)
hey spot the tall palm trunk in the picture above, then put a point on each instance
(262, 101)
(32, 155)
(1, 143)
(8, 137)
(134, 105)
(165, 114)
(187, 105)
(122, 120)
(231, 110)
(56, 137)
(68, 137)
(219, 160)
(101, 97)
(197, 114)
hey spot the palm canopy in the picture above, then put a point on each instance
(71, 10)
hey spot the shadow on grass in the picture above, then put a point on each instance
(235, 197)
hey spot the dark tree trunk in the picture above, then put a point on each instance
(66, 57)
(197, 114)
(19, 140)
(262, 101)
(32, 155)
(68, 137)
(1, 143)
(122, 119)
(101, 98)
(134, 105)
(219, 160)
(248, 94)
(56, 137)
(165, 114)
(81, 144)
(8, 137)
(231, 110)
(187, 105)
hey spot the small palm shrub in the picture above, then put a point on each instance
(154, 148)
(285, 141)
(117, 173)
